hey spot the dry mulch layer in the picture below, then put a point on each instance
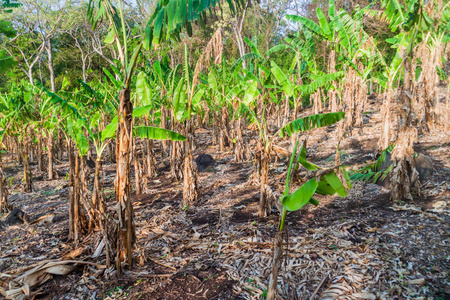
(362, 246)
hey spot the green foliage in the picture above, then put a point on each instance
(373, 172)
(301, 196)
(328, 184)
(172, 17)
(6, 63)
(311, 122)
(155, 133)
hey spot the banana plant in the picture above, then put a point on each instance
(414, 24)
(323, 182)
(5, 123)
(21, 114)
(169, 19)
(185, 100)
(348, 44)
(253, 87)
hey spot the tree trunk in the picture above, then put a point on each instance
(97, 187)
(83, 65)
(238, 150)
(26, 165)
(151, 169)
(447, 109)
(190, 182)
(165, 143)
(404, 176)
(39, 150)
(50, 155)
(286, 111)
(111, 152)
(205, 120)
(4, 207)
(122, 184)
(237, 28)
(224, 129)
(332, 97)
(385, 137)
(264, 174)
(30, 147)
(216, 129)
(176, 157)
(276, 264)
(60, 142)
(71, 190)
(76, 200)
(30, 74)
(84, 190)
(97, 197)
(50, 64)
(137, 171)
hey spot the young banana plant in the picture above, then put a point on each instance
(323, 182)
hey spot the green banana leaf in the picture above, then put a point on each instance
(156, 133)
(300, 197)
(311, 122)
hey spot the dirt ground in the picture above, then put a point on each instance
(362, 246)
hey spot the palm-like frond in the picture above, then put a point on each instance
(311, 25)
(277, 48)
(155, 133)
(283, 80)
(319, 82)
(171, 17)
(311, 122)
(393, 14)
(253, 44)
(247, 57)
(373, 172)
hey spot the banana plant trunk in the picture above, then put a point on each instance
(224, 129)
(264, 174)
(111, 151)
(39, 149)
(97, 185)
(286, 110)
(151, 169)
(149, 155)
(60, 142)
(26, 165)
(164, 144)
(238, 147)
(404, 176)
(137, 171)
(122, 184)
(447, 110)
(276, 264)
(50, 155)
(176, 157)
(190, 182)
(215, 125)
(71, 190)
(97, 201)
(76, 199)
(3, 192)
